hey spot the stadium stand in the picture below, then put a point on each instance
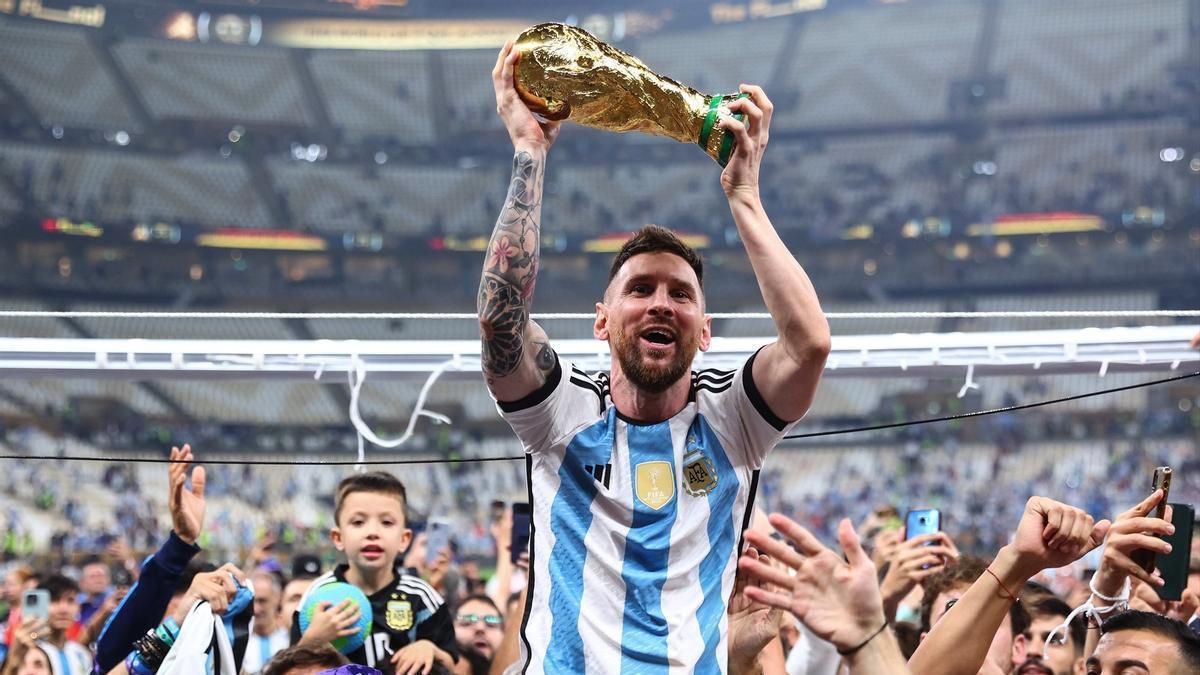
(1076, 56)
(217, 83)
(900, 70)
(57, 70)
(374, 94)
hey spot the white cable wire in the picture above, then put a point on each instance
(548, 316)
(358, 375)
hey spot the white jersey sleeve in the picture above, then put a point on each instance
(735, 408)
(568, 401)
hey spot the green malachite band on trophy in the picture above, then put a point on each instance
(710, 120)
(727, 142)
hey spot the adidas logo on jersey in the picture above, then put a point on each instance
(601, 472)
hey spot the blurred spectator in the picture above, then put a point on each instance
(269, 637)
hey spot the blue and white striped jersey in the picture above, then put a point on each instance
(636, 527)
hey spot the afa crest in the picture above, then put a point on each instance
(699, 474)
(399, 615)
(654, 483)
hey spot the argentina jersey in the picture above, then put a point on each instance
(636, 527)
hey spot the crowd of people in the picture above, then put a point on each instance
(886, 603)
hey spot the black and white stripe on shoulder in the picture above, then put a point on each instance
(713, 380)
(417, 586)
(714, 375)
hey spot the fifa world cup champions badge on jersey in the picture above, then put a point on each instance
(399, 615)
(655, 483)
(699, 474)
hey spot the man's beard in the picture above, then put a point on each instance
(1034, 661)
(653, 379)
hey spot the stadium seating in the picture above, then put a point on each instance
(114, 186)
(1080, 55)
(877, 65)
(377, 94)
(239, 85)
(57, 71)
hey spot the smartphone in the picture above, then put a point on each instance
(1161, 481)
(522, 518)
(35, 604)
(1173, 566)
(437, 539)
(922, 521)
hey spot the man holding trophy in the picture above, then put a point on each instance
(642, 480)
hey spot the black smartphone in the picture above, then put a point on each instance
(1173, 566)
(1161, 481)
(522, 517)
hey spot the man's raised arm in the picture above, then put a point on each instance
(516, 352)
(785, 372)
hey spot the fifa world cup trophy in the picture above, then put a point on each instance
(565, 72)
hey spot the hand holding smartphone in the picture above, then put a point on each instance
(922, 521)
(1161, 481)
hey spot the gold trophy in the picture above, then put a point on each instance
(564, 72)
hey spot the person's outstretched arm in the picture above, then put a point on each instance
(146, 602)
(1050, 534)
(785, 372)
(516, 352)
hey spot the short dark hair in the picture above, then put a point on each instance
(1175, 631)
(965, 571)
(59, 586)
(655, 239)
(374, 481)
(961, 572)
(304, 656)
(1048, 604)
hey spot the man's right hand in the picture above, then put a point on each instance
(1050, 535)
(523, 128)
(331, 622)
(217, 588)
(1131, 531)
(187, 506)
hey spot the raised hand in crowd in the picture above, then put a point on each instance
(838, 600)
(331, 622)
(911, 562)
(217, 588)
(187, 505)
(753, 626)
(501, 531)
(25, 639)
(884, 546)
(1133, 530)
(1050, 535)
(96, 624)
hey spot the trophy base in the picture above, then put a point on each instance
(718, 143)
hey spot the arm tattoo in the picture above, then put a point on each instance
(510, 270)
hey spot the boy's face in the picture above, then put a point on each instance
(64, 611)
(371, 530)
